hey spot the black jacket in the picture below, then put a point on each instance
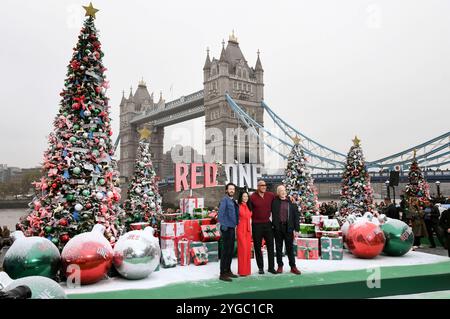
(293, 215)
(392, 212)
(444, 221)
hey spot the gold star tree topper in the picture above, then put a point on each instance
(296, 139)
(90, 10)
(144, 133)
(356, 141)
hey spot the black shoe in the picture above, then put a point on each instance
(261, 272)
(231, 275)
(225, 277)
(272, 271)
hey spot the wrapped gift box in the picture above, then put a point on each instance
(307, 231)
(169, 229)
(331, 225)
(212, 248)
(192, 228)
(323, 233)
(183, 252)
(188, 204)
(332, 248)
(307, 248)
(170, 243)
(168, 258)
(199, 255)
(318, 221)
(210, 233)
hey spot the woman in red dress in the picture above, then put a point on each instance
(244, 235)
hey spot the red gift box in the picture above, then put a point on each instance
(199, 255)
(192, 228)
(307, 248)
(210, 233)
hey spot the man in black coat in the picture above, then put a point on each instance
(391, 211)
(444, 223)
(285, 221)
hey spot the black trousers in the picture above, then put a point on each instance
(228, 237)
(264, 231)
(447, 235)
(282, 235)
(433, 226)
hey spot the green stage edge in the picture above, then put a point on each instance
(397, 280)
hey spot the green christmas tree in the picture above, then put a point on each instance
(417, 185)
(144, 201)
(79, 184)
(356, 192)
(299, 182)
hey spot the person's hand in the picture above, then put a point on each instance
(448, 230)
(296, 234)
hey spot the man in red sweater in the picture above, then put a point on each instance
(261, 201)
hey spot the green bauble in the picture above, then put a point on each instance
(48, 229)
(86, 192)
(70, 197)
(77, 170)
(73, 139)
(32, 256)
(76, 127)
(101, 181)
(399, 237)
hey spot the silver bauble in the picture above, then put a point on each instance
(41, 287)
(137, 254)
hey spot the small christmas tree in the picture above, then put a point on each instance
(144, 201)
(417, 185)
(299, 183)
(79, 185)
(356, 192)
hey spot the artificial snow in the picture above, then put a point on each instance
(192, 273)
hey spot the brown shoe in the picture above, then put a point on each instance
(225, 277)
(280, 270)
(231, 275)
(294, 270)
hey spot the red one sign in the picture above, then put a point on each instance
(182, 170)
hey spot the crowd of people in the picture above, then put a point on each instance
(424, 217)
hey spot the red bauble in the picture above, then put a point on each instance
(365, 239)
(64, 238)
(89, 252)
(63, 222)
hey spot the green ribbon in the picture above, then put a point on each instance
(307, 249)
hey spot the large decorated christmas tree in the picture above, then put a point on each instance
(299, 182)
(417, 185)
(356, 191)
(143, 203)
(79, 183)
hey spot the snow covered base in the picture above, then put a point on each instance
(192, 273)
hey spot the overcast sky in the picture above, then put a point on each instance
(333, 69)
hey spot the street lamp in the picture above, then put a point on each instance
(388, 189)
(438, 188)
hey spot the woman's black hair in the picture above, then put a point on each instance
(249, 204)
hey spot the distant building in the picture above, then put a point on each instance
(7, 173)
